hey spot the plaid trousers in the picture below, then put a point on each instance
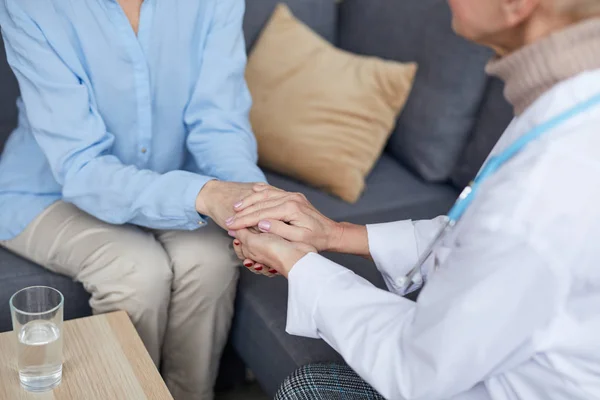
(326, 382)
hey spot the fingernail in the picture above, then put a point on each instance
(236, 243)
(238, 204)
(247, 265)
(273, 271)
(229, 221)
(231, 233)
(258, 269)
(264, 226)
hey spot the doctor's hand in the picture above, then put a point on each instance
(273, 253)
(288, 215)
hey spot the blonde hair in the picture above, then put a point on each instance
(580, 9)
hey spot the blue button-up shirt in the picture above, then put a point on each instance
(127, 127)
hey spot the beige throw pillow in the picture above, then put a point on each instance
(320, 114)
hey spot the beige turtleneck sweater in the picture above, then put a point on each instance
(533, 70)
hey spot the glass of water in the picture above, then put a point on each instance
(37, 317)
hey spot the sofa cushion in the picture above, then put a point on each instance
(17, 273)
(494, 116)
(441, 109)
(258, 331)
(393, 193)
(319, 15)
(9, 91)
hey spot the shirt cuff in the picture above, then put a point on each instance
(307, 280)
(254, 175)
(189, 199)
(393, 247)
(245, 172)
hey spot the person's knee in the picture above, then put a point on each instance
(147, 282)
(212, 274)
(295, 384)
(320, 380)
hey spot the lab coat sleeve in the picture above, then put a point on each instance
(480, 310)
(396, 246)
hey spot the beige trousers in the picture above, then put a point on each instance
(178, 287)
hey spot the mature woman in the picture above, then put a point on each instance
(510, 305)
(130, 110)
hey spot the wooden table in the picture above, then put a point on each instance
(104, 359)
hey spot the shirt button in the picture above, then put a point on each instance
(201, 223)
(144, 150)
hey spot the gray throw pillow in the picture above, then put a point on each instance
(441, 110)
(492, 121)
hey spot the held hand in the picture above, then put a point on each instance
(216, 199)
(275, 254)
(289, 215)
(257, 268)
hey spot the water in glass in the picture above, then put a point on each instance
(40, 355)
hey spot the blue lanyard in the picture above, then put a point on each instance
(495, 162)
(491, 166)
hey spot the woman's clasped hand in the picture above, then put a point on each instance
(286, 228)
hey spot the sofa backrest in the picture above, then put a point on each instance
(320, 15)
(443, 107)
(9, 91)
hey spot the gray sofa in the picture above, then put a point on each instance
(453, 118)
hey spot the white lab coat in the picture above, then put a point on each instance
(513, 312)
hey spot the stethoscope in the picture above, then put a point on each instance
(415, 276)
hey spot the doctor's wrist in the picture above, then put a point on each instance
(349, 239)
(288, 260)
